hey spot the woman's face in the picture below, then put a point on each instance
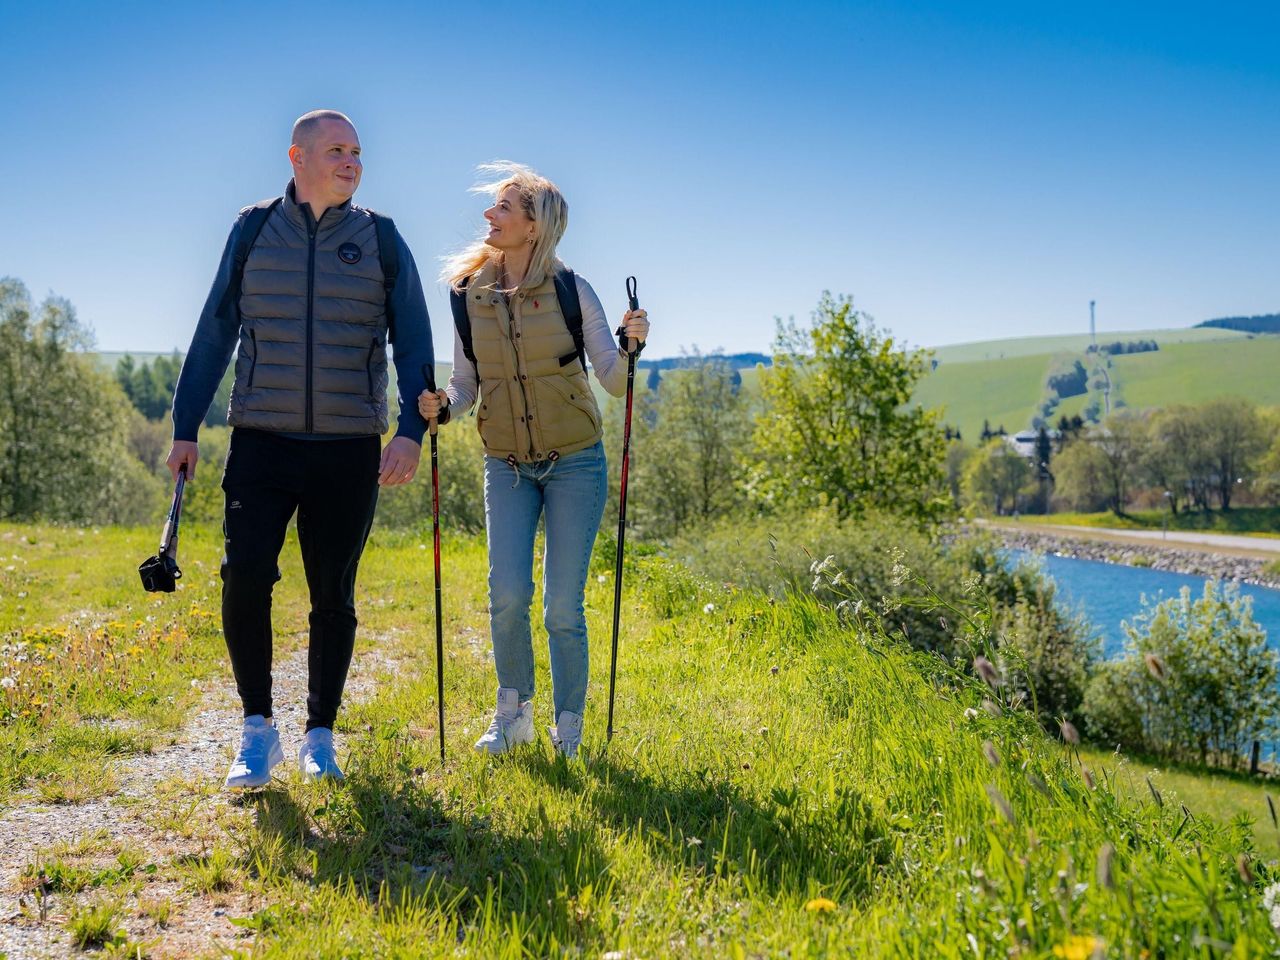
(509, 226)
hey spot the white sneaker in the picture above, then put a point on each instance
(316, 758)
(512, 724)
(567, 733)
(259, 752)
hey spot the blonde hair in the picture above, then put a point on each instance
(542, 203)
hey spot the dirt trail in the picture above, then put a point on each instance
(168, 805)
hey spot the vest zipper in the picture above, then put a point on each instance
(253, 364)
(311, 304)
(368, 364)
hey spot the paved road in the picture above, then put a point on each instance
(1174, 538)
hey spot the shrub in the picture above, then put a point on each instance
(1197, 682)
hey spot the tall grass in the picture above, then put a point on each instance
(784, 782)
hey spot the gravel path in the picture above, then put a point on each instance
(169, 804)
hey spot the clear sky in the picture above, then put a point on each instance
(965, 171)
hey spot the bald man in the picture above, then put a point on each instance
(310, 292)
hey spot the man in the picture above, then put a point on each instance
(310, 304)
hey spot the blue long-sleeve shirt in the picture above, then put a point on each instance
(218, 331)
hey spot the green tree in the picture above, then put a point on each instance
(687, 440)
(1080, 472)
(1120, 442)
(64, 425)
(995, 476)
(838, 424)
(1235, 442)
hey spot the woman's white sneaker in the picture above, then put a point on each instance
(512, 724)
(259, 751)
(316, 757)
(567, 733)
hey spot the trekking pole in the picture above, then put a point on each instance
(629, 345)
(433, 426)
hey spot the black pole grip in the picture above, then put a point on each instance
(633, 303)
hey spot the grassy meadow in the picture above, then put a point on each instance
(782, 783)
(1251, 521)
(1003, 382)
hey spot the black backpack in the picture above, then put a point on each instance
(566, 292)
(256, 219)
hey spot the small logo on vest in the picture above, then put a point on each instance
(349, 253)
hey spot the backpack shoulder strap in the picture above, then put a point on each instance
(567, 293)
(255, 218)
(461, 319)
(388, 249)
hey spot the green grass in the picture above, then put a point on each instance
(981, 381)
(1253, 521)
(999, 391)
(780, 784)
(1194, 373)
(1223, 796)
(1073, 343)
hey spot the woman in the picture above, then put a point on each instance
(541, 431)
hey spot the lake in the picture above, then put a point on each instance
(1108, 593)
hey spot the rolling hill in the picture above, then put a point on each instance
(1003, 381)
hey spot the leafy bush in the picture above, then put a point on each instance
(1197, 682)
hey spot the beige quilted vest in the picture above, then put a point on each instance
(535, 401)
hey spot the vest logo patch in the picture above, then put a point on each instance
(349, 253)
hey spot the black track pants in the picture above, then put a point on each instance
(333, 486)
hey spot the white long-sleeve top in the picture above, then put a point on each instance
(607, 361)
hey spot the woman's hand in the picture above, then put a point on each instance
(635, 325)
(430, 404)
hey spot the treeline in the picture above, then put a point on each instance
(1263, 323)
(1123, 346)
(1186, 457)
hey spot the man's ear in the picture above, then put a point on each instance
(295, 155)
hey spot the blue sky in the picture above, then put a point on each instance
(965, 171)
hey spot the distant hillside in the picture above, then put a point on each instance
(1010, 388)
(1264, 323)
(737, 361)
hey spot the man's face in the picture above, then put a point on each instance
(327, 167)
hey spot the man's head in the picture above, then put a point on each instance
(325, 154)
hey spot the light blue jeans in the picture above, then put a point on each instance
(571, 492)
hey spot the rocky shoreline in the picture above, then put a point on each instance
(1151, 555)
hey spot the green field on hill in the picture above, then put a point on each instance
(1192, 369)
(1071, 343)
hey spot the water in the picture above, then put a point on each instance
(1108, 593)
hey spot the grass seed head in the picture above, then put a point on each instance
(1069, 732)
(985, 669)
(992, 708)
(989, 751)
(1245, 870)
(1155, 666)
(1001, 804)
(1105, 858)
(1087, 776)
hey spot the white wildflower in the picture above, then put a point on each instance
(970, 713)
(8, 683)
(709, 608)
(601, 578)
(1271, 901)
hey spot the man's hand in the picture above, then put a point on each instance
(399, 462)
(183, 453)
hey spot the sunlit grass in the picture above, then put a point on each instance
(780, 784)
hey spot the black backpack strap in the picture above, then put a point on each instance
(255, 219)
(567, 294)
(461, 319)
(388, 257)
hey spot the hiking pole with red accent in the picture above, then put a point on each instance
(629, 344)
(433, 426)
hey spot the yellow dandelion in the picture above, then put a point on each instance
(820, 905)
(1077, 948)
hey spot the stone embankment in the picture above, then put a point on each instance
(1155, 556)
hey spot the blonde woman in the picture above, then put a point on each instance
(515, 351)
